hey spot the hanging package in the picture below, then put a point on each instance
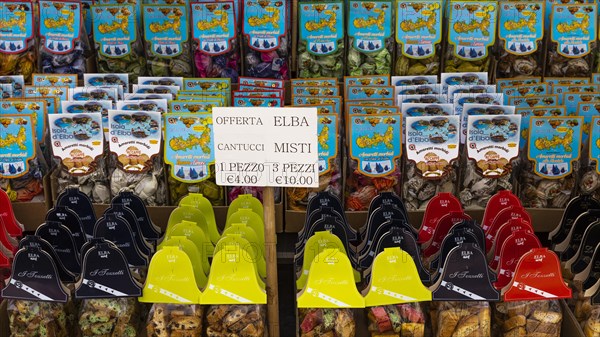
(18, 54)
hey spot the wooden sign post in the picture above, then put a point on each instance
(267, 147)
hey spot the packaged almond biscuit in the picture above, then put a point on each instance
(189, 152)
(492, 148)
(395, 296)
(432, 144)
(18, 53)
(549, 173)
(570, 49)
(374, 158)
(135, 144)
(520, 33)
(471, 35)
(531, 300)
(325, 304)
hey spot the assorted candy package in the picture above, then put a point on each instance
(18, 52)
(335, 322)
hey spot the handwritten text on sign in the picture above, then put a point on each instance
(266, 147)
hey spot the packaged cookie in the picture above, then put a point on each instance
(185, 134)
(321, 50)
(117, 39)
(167, 40)
(369, 51)
(491, 150)
(590, 175)
(520, 39)
(65, 47)
(471, 35)
(587, 307)
(135, 146)
(391, 315)
(325, 308)
(18, 54)
(374, 158)
(267, 39)
(547, 182)
(419, 36)
(570, 49)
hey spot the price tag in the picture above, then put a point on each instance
(275, 147)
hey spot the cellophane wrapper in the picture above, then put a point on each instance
(150, 185)
(418, 190)
(236, 320)
(327, 322)
(172, 320)
(208, 188)
(476, 189)
(400, 320)
(24, 63)
(537, 192)
(95, 185)
(560, 66)
(528, 318)
(458, 318)
(29, 187)
(361, 189)
(114, 317)
(37, 318)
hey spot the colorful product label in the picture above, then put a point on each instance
(156, 80)
(370, 24)
(469, 89)
(265, 23)
(136, 3)
(527, 113)
(94, 94)
(472, 28)
(158, 105)
(595, 142)
(17, 81)
(154, 89)
(314, 82)
(429, 99)
(134, 138)
(17, 142)
(214, 26)
(448, 79)
(78, 107)
(262, 83)
(192, 106)
(493, 142)
(554, 144)
(521, 26)
(327, 136)
(432, 143)
(16, 21)
(315, 91)
(476, 109)
(54, 80)
(512, 82)
(530, 102)
(376, 143)
(115, 29)
(596, 78)
(86, 11)
(52, 95)
(77, 140)
(36, 109)
(423, 89)
(359, 108)
(307, 100)
(588, 111)
(572, 100)
(564, 88)
(574, 28)
(60, 25)
(418, 27)
(366, 93)
(321, 26)
(257, 102)
(165, 29)
(189, 146)
(567, 80)
(524, 90)
(414, 80)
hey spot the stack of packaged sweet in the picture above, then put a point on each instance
(117, 275)
(451, 277)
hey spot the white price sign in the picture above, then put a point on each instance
(274, 147)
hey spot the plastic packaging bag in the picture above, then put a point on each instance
(94, 185)
(29, 187)
(29, 318)
(327, 322)
(591, 327)
(257, 192)
(18, 56)
(531, 318)
(115, 317)
(401, 320)
(453, 318)
(236, 320)
(172, 320)
(418, 190)
(150, 186)
(209, 188)
(297, 198)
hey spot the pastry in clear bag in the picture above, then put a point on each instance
(18, 52)
(531, 318)
(462, 319)
(589, 183)
(327, 322)
(401, 320)
(172, 320)
(236, 320)
(36, 318)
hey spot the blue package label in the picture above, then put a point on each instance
(214, 26)
(192, 106)
(263, 94)
(17, 141)
(401, 100)
(527, 113)
(359, 108)
(493, 142)
(262, 83)
(588, 111)
(134, 138)
(567, 80)
(424, 110)
(521, 26)
(48, 80)
(115, 29)
(154, 89)
(36, 108)
(472, 28)
(414, 80)
(17, 81)
(189, 146)
(137, 97)
(418, 27)
(595, 142)
(101, 80)
(524, 91)
(265, 23)
(469, 108)
(321, 26)
(422, 89)
(554, 144)
(375, 143)
(574, 28)
(257, 102)
(448, 79)
(315, 82)
(158, 105)
(308, 100)
(156, 80)
(371, 80)
(94, 94)
(84, 107)
(432, 143)
(370, 24)
(327, 136)
(60, 25)
(165, 29)
(513, 82)
(322, 109)
(367, 93)
(596, 78)
(469, 89)
(136, 3)
(571, 101)
(49, 94)
(541, 100)
(6, 91)
(77, 140)
(16, 20)
(195, 97)
(86, 12)
(315, 91)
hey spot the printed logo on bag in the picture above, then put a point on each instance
(521, 26)
(165, 29)
(16, 20)
(527, 113)
(265, 23)
(595, 142)
(54, 80)
(115, 29)
(574, 28)
(214, 27)
(419, 27)
(60, 25)
(35, 108)
(472, 28)
(17, 145)
(327, 137)
(369, 24)
(322, 26)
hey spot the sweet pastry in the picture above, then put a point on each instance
(173, 320)
(235, 320)
(529, 318)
